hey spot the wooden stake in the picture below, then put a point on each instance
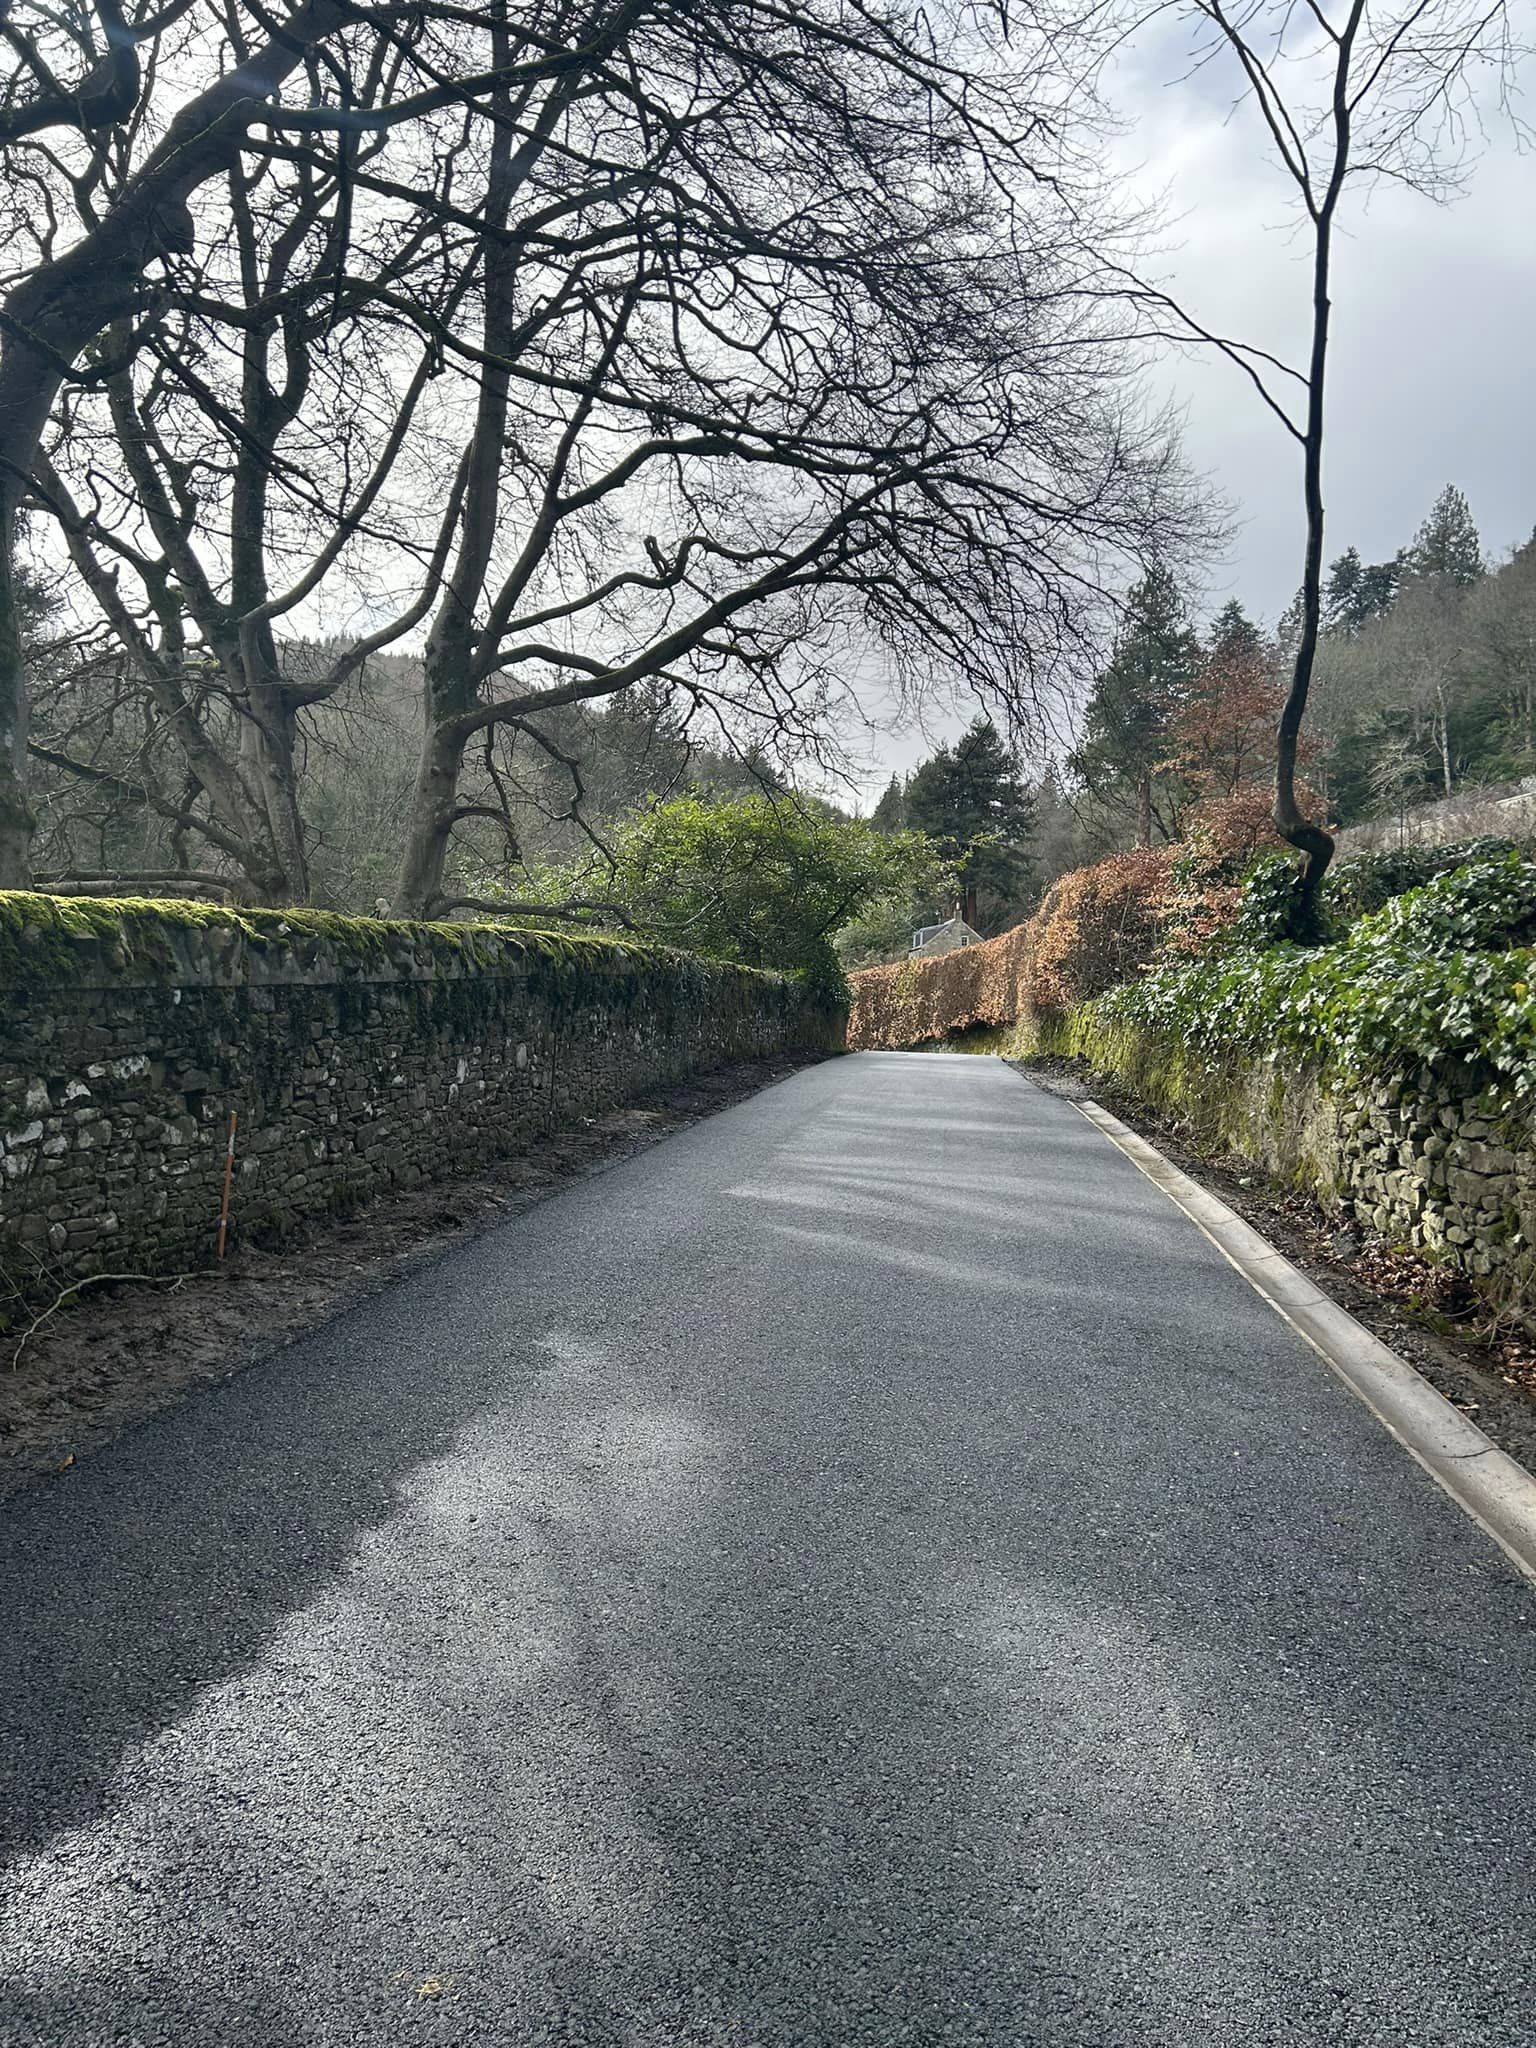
(229, 1175)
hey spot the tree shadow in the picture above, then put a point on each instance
(661, 1623)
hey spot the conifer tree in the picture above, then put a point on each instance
(1448, 545)
(1379, 583)
(1358, 592)
(1233, 636)
(890, 814)
(1126, 726)
(1341, 595)
(972, 799)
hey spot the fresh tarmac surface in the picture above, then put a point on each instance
(865, 1571)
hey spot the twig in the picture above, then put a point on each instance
(171, 1280)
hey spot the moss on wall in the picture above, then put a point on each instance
(50, 942)
(1432, 1160)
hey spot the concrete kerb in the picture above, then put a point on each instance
(1498, 1493)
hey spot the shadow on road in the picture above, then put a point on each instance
(863, 1571)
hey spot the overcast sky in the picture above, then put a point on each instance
(1433, 373)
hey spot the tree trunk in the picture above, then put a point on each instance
(430, 825)
(450, 686)
(16, 819)
(53, 313)
(1444, 724)
(1308, 838)
(1144, 809)
(268, 745)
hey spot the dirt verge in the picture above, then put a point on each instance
(123, 1350)
(1484, 1365)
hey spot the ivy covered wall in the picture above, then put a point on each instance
(358, 1056)
(1390, 1068)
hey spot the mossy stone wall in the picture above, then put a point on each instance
(358, 1055)
(1431, 1159)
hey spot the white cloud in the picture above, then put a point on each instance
(1434, 329)
(1434, 314)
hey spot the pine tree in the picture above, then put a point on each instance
(1288, 633)
(1125, 727)
(1359, 591)
(1379, 583)
(890, 814)
(1447, 545)
(1233, 636)
(1341, 592)
(972, 799)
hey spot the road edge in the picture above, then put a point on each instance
(1485, 1482)
(92, 1392)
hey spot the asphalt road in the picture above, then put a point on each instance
(864, 1571)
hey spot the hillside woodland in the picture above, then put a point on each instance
(1425, 689)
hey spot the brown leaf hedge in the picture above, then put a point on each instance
(1096, 927)
(919, 1002)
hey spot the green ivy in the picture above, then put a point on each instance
(1443, 973)
(1367, 881)
(824, 979)
(1274, 907)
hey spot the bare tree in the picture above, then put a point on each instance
(1346, 95)
(97, 105)
(1501, 616)
(253, 443)
(832, 367)
(610, 343)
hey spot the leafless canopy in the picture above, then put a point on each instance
(1343, 95)
(576, 346)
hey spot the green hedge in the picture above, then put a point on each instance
(1368, 881)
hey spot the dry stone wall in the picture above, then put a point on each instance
(1438, 1158)
(1432, 1162)
(358, 1056)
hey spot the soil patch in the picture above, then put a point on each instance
(122, 1350)
(1482, 1362)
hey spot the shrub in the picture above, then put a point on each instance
(1098, 926)
(1357, 886)
(1272, 908)
(1441, 973)
(1207, 889)
(1269, 907)
(757, 880)
(1235, 829)
(1484, 906)
(921, 1002)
